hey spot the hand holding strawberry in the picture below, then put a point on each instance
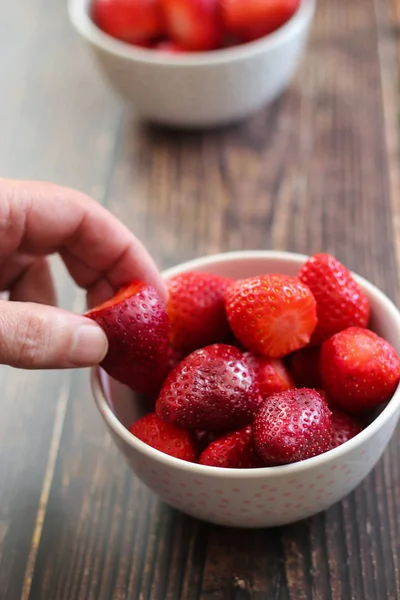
(100, 253)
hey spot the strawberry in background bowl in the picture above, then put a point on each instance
(232, 438)
(191, 25)
(195, 63)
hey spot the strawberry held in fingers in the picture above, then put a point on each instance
(165, 437)
(132, 21)
(212, 389)
(252, 19)
(234, 450)
(359, 369)
(341, 303)
(136, 323)
(196, 310)
(271, 315)
(271, 374)
(292, 426)
(193, 24)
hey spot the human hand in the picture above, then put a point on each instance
(101, 254)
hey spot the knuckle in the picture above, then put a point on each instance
(12, 219)
(5, 217)
(31, 334)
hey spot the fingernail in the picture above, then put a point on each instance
(89, 346)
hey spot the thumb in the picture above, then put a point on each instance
(34, 336)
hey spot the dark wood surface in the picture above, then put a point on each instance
(318, 170)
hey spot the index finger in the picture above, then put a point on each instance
(41, 218)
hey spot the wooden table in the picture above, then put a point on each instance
(317, 170)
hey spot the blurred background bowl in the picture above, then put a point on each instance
(254, 497)
(200, 89)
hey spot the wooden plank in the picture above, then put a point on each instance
(388, 15)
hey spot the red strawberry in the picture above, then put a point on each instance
(292, 426)
(344, 427)
(194, 24)
(234, 450)
(136, 323)
(304, 367)
(271, 374)
(165, 437)
(212, 389)
(341, 303)
(129, 20)
(252, 19)
(196, 310)
(359, 369)
(271, 315)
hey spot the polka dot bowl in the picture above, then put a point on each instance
(255, 497)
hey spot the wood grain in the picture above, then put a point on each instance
(318, 170)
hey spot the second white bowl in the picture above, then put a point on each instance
(203, 89)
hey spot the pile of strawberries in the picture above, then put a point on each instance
(257, 372)
(191, 25)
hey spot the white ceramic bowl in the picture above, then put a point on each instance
(255, 497)
(204, 89)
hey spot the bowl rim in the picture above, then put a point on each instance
(79, 14)
(265, 472)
